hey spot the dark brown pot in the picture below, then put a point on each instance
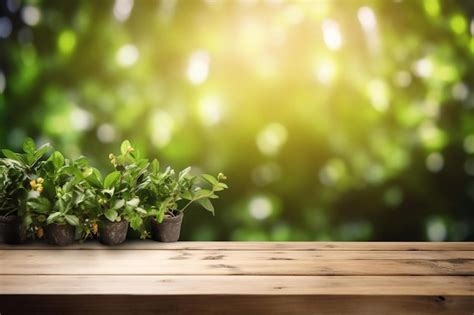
(11, 230)
(113, 233)
(168, 230)
(60, 234)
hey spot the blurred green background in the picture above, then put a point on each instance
(333, 120)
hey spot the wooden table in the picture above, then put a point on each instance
(146, 277)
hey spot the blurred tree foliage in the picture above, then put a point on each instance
(333, 120)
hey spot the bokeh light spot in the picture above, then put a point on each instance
(402, 79)
(127, 55)
(460, 91)
(31, 15)
(198, 67)
(260, 207)
(423, 67)
(434, 162)
(271, 138)
(162, 126)
(432, 7)
(5, 27)
(458, 24)
(106, 133)
(334, 170)
(67, 42)
(436, 230)
(210, 110)
(379, 96)
(122, 9)
(332, 34)
(367, 19)
(81, 119)
(325, 70)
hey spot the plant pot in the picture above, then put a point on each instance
(11, 230)
(113, 233)
(60, 234)
(168, 230)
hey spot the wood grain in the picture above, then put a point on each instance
(240, 285)
(230, 305)
(151, 262)
(259, 246)
(238, 277)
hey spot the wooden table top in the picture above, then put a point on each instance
(240, 268)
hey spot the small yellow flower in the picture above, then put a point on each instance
(130, 150)
(33, 184)
(39, 189)
(111, 156)
(94, 228)
(40, 180)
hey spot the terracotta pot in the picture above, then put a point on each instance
(168, 230)
(60, 234)
(11, 230)
(113, 233)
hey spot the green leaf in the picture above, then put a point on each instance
(187, 195)
(29, 146)
(155, 166)
(12, 155)
(39, 205)
(72, 219)
(220, 186)
(58, 159)
(134, 202)
(53, 217)
(111, 215)
(141, 211)
(111, 179)
(94, 178)
(210, 179)
(125, 147)
(42, 150)
(202, 193)
(119, 204)
(184, 172)
(136, 222)
(160, 215)
(206, 204)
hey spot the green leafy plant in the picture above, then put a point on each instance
(118, 193)
(170, 194)
(17, 174)
(60, 195)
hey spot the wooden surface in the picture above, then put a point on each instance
(190, 277)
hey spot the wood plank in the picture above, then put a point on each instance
(262, 305)
(239, 285)
(151, 262)
(233, 255)
(260, 246)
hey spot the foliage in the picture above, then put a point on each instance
(167, 189)
(17, 171)
(334, 120)
(118, 192)
(60, 196)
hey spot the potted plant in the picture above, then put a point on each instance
(117, 195)
(55, 200)
(170, 195)
(16, 171)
